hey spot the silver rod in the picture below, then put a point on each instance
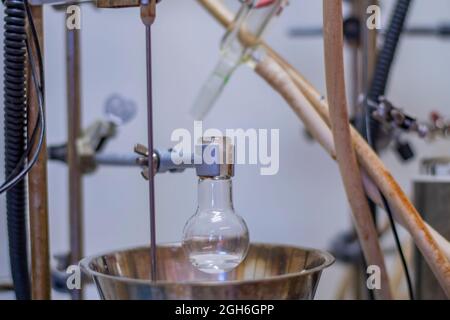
(119, 160)
(74, 131)
(151, 182)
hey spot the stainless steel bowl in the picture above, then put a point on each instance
(268, 272)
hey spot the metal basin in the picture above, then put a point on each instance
(268, 272)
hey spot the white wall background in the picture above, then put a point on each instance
(303, 205)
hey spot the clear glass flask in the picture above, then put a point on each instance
(215, 238)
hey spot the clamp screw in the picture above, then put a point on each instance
(143, 160)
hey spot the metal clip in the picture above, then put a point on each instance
(142, 161)
(385, 112)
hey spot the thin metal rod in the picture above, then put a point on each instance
(355, 47)
(116, 160)
(38, 191)
(74, 132)
(369, 51)
(151, 181)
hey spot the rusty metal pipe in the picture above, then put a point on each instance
(37, 188)
(350, 172)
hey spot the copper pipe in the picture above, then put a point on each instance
(280, 80)
(350, 172)
(73, 160)
(37, 187)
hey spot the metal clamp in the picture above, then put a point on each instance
(385, 112)
(118, 111)
(92, 141)
(162, 161)
(214, 158)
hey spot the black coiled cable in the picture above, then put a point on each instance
(387, 54)
(384, 62)
(15, 139)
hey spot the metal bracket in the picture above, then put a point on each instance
(222, 165)
(92, 141)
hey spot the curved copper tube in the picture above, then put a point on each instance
(346, 157)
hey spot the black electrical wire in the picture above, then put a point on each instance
(391, 218)
(386, 55)
(396, 237)
(392, 222)
(15, 177)
(37, 48)
(25, 156)
(17, 151)
(377, 89)
(386, 59)
(15, 117)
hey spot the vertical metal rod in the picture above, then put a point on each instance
(358, 11)
(368, 62)
(151, 181)
(363, 58)
(355, 72)
(37, 187)
(73, 161)
(369, 49)
(355, 62)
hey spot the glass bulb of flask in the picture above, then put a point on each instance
(215, 238)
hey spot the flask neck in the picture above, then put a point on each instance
(215, 194)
